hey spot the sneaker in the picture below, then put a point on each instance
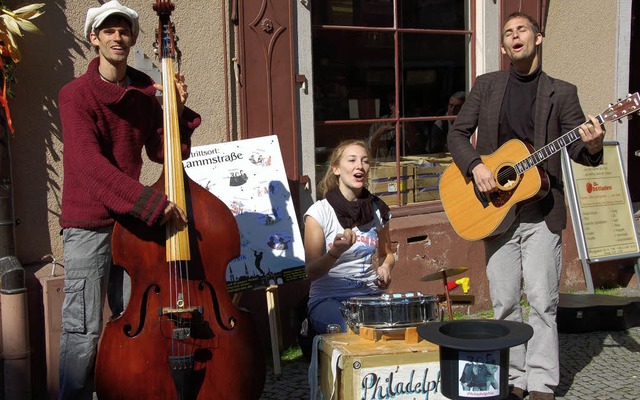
(541, 396)
(515, 393)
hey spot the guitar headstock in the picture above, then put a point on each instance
(623, 108)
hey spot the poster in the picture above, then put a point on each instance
(249, 177)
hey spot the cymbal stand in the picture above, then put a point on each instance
(446, 291)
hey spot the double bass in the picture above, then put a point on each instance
(181, 336)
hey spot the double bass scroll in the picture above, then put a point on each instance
(180, 337)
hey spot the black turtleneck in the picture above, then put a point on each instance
(517, 112)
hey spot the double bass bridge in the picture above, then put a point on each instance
(183, 317)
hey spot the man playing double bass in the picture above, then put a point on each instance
(108, 115)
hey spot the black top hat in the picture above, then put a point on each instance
(476, 335)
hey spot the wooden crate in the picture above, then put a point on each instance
(384, 183)
(427, 177)
(386, 171)
(364, 369)
(392, 186)
(426, 195)
(391, 199)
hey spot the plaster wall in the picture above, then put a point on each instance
(579, 47)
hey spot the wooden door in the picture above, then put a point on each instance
(266, 30)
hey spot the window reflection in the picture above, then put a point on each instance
(433, 67)
(355, 86)
(351, 69)
(433, 14)
(353, 12)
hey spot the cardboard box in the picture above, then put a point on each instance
(370, 370)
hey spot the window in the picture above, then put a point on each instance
(372, 58)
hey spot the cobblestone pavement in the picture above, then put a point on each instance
(600, 366)
(594, 366)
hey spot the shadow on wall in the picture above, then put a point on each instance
(36, 157)
(47, 64)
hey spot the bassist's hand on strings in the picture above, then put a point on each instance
(181, 91)
(592, 134)
(483, 177)
(174, 215)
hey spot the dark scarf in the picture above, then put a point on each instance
(359, 212)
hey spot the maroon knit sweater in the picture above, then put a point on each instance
(104, 129)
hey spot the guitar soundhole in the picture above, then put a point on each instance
(507, 178)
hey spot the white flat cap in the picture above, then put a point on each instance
(97, 15)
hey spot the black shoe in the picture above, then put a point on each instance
(541, 396)
(515, 393)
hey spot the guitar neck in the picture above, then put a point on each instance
(550, 149)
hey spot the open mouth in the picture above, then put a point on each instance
(517, 46)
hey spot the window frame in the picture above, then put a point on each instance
(470, 73)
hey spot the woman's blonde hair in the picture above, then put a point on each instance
(330, 180)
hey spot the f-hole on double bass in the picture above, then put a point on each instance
(180, 337)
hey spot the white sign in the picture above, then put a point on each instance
(404, 382)
(249, 177)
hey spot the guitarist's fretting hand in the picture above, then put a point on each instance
(483, 177)
(592, 135)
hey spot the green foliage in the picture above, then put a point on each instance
(291, 354)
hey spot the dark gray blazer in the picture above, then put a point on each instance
(557, 112)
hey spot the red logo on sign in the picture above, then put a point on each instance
(589, 187)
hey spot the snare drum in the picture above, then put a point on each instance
(389, 310)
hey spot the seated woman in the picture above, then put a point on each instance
(343, 231)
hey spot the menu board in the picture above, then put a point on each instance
(601, 208)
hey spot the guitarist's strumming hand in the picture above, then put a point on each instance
(483, 177)
(592, 135)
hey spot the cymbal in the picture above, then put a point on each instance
(446, 272)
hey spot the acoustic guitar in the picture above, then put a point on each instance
(515, 165)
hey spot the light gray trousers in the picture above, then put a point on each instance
(528, 257)
(87, 267)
